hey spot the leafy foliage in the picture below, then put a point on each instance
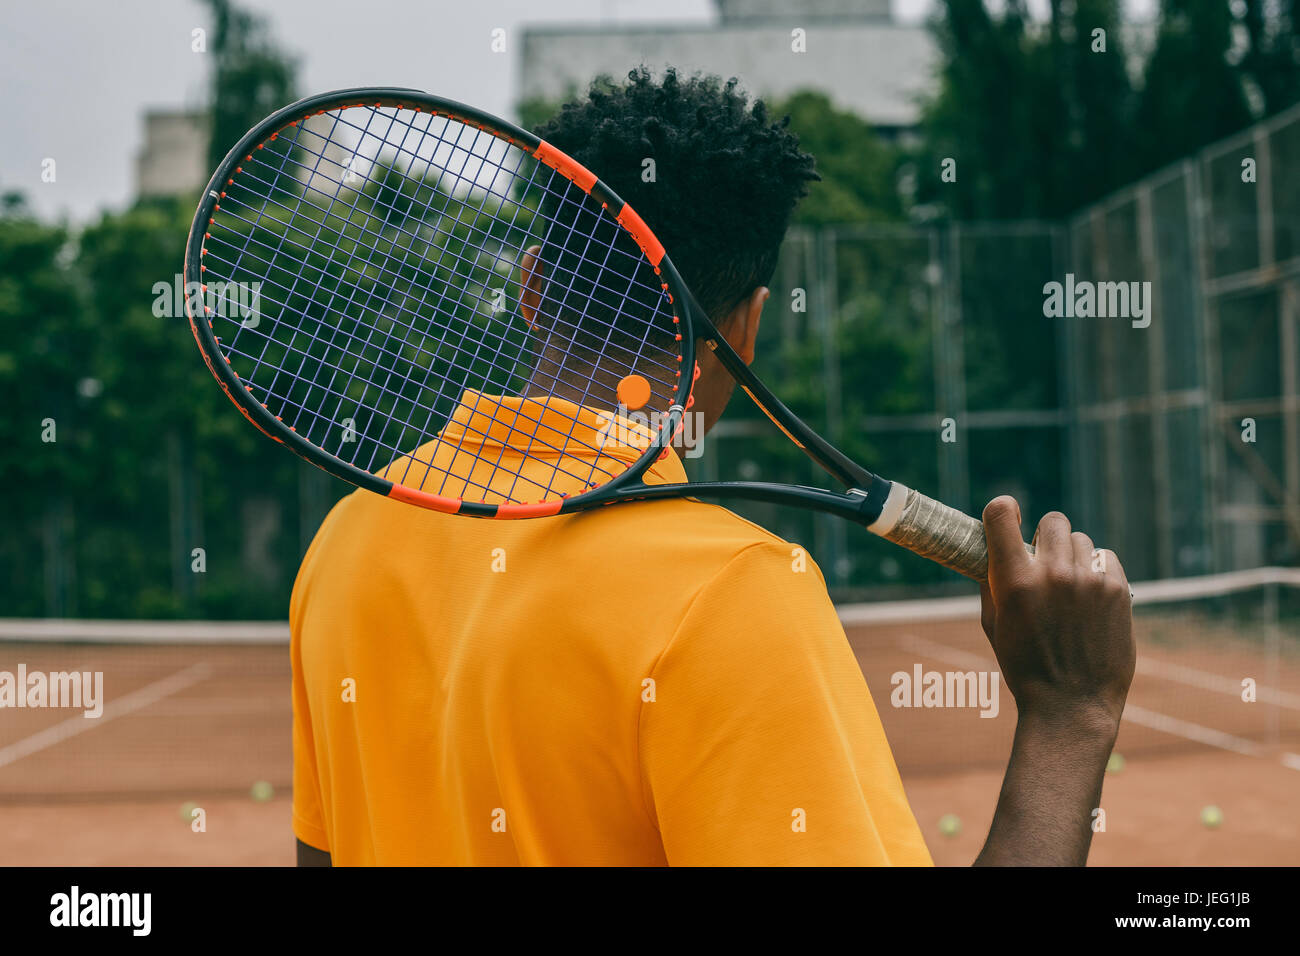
(1043, 118)
(150, 462)
(251, 79)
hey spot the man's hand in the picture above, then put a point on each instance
(1061, 626)
(1061, 622)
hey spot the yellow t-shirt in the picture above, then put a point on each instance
(650, 683)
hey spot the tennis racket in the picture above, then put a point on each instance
(438, 306)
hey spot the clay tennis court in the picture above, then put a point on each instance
(202, 724)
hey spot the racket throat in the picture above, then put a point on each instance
(885, 503)
(831, 459)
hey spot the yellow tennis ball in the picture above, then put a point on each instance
(950, 824)
(187, 811)
(262, 791)
(1212, 816)
(1115, 764)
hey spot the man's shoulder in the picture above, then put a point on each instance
(690, 526)
(709, 548)
(690, 541)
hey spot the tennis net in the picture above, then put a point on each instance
(1218, 668)
(184, 708)
(194, 709)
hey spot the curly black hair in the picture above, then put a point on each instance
(727, 178)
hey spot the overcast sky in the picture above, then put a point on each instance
(78, 74)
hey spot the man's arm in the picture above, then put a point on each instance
(1052, 785)
(760, 744)
(1061, 625)
(306, 778)
(310, 856)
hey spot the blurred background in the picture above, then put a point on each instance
(970, 153)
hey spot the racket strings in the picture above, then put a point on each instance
(367, 347)
(374, 248)
(409, 248)
(549, 446)
(558, 448)
(568, 198)
(568, 205)
(635, 358)
(379, 269)
(388, 255)
(428, 409)
(460, 304)
(384, 272)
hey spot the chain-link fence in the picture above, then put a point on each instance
(1164, 419)
(922, 351)
(1185, 433)
(1152, 394)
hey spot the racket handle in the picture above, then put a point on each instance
(933, 530)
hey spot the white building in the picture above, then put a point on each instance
(174, 157)
(855, 53)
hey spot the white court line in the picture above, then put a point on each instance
(79, 724)
(966, 607)
(1145, 593)
(1138, 715)
(1190, 731)
(63, 630)
(950, 655)
(1181, 674)
(1164, 670)
(219, 706)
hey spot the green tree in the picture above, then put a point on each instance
(1192, 94)
(44, 337)
(1036, 117)
(859, 171)
(1043, 118)
(251, 76)
(1272, 57)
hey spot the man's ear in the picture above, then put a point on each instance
(530, 282)
(740, 328)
